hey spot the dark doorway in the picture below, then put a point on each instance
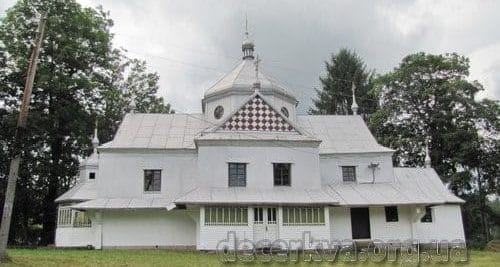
(360, 223)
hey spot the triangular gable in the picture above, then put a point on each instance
(257, 115)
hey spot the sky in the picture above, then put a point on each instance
(192, 44)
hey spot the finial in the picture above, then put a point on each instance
(132, 106)
(247, 46)
(95, 140)
(354, 106)
(427, 160)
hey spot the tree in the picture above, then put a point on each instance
(427, 99)
(80, 77)
(335, 96)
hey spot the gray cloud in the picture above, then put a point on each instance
(191, 44)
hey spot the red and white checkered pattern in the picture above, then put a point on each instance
(257, 115)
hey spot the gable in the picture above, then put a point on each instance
(257, 115)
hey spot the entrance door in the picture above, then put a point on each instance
(265, 224)
(360, 223)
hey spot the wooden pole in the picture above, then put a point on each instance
(20, 130)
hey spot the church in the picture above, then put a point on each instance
(249, 165)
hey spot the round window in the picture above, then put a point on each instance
(284, 111)
(219, 111)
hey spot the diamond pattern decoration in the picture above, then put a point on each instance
(257, 115)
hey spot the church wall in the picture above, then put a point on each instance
(74, 237)
(148, 229)
(121, 175)
(446, 224)
(213, 165)
(331, 167)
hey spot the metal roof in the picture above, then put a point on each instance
(243, 195)
(124, 203)
(80, 192)
(338, 134)
(412, 186)
(242, 78)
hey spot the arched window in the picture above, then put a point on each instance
(284, 111)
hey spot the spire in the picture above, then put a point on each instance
(247, 46)
(95, 140)
(354, 106)
(427, 160)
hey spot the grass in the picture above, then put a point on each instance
(63, 257)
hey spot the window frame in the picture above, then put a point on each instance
(226, 216)
(145, 188)
(346, 174)
(92, 175)
(391, 214)
(235, 181)
(280, 179)
(428, 216)
(292, 216)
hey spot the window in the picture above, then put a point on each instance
(64, 216)
(72, 218)
(81, 219)
(237, 174)
(391, 214)
(152, 180)
(284, 111)
(92, 175)
(226, 216)
(349, 173)
(282, 174)
(428, 215)
(303, 216)
(218, 112)
(258, 215)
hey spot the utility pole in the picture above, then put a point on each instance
(20, 130)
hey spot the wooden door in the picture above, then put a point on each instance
(360, 223)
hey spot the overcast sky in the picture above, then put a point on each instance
(191, 44)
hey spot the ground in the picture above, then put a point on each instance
(55, 257)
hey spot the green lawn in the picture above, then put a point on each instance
(55, 257)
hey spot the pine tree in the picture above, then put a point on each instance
(335, 96)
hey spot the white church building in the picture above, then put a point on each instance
(251, 165)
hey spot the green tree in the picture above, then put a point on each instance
(80, 77)
(335, 96)
(428, 99)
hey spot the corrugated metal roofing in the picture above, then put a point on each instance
(80, 192)
(338, 134)
(412, 186)
(242, 195)
(242, 78)
(124, 203)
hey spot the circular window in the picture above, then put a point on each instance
(284, 111)
(219, 111)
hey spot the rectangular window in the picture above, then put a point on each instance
(226, 216)
(282, 174)
(391, 214)
(92, 175)
(428, 215)
(303, 216)
(64, 217)
(81, 219)
(237, 174)
(349, 173)
(152, 180)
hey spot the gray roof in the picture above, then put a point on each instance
(338, 134)
(80, 192)
(124, 203)
(242, 78)
(242, 195)
(412, 186)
